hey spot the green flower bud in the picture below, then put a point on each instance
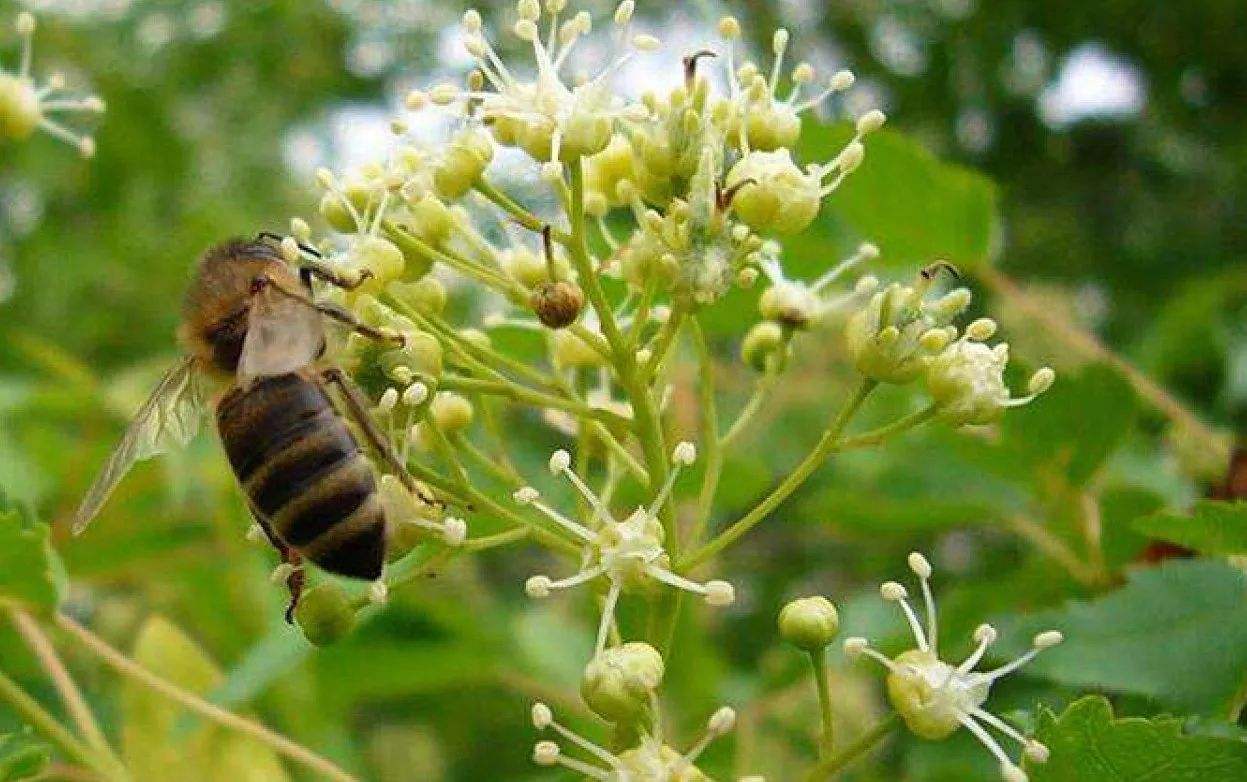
(772, 127)
(363, 197)
(426, 295)
(809, 623)
(530, 269)
(618, 682)
(379, 256)
(762, 342)
(571, 351)
(605, 170)
(325, 614)
(431, 221)
(19, 108)
(793, 304)
(451, 412)
(557, 304)
(774, 195)
(466, 158)
(585, 133)
(422, 353)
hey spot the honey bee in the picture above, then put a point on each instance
(250, 324)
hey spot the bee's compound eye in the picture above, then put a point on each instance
(258, 284)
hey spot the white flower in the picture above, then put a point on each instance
(892, 338)
(966, 379)
(936, 698)
(651, 760)
(798, 304)
(629, 553)
(404, 508)
(760, 119)
(25, 104)
(551, 119)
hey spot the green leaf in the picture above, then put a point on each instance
(21, 756)
(1213, 527)
(30, 573)
(153, 746)
(1176, 633)
(1074, 427)
(1089, 745)
(915, 207)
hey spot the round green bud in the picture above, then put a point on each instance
(762, 342)
(571, 351)
(617, 683)
(325, 614)
(431, 220)
(772, 128)
(585, 133)
(363, 198)
(451, 412)
(19, 107)
(423, 353)
(605, 170)
(380, 257)
(809, 623)
(466, 158)
(530, 269)
(426, 295)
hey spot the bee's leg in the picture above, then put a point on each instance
(312, 269)
(357, 411)
(294, 582)
(335, 312)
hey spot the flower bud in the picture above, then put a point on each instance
(809, 623)
(451, 412)
(790, 303)
(571, 351)
(465, 159)
(426, 295)
(764, 340)
(774, 194)
(379, 256)
(530, 269)
(19, 107)
(325, 614)
(617, 683)
(557, 304)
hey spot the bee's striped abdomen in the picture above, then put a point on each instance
(304, 472)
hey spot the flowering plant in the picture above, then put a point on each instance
(568, 261)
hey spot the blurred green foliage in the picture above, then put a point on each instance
(1134, 228)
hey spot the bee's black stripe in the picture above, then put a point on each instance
(268, 416)
(326, 504)
(359, 555)
(296, 469)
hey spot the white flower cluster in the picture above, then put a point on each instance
(27, 106)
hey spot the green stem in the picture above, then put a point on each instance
(824, 448)
(710, 439)
(878, 436)
(826, 743)
(30, 712)
(512, 207)
(647, 425)
(832, 765)
(512, 390)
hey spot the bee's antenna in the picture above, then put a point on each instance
(278, 238)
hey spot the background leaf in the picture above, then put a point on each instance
(1177, 633)
(1088, 745)
(1213, 527)
(29, 571)
(21, 756)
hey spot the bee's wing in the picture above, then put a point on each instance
(283, 335)
(169, 418)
